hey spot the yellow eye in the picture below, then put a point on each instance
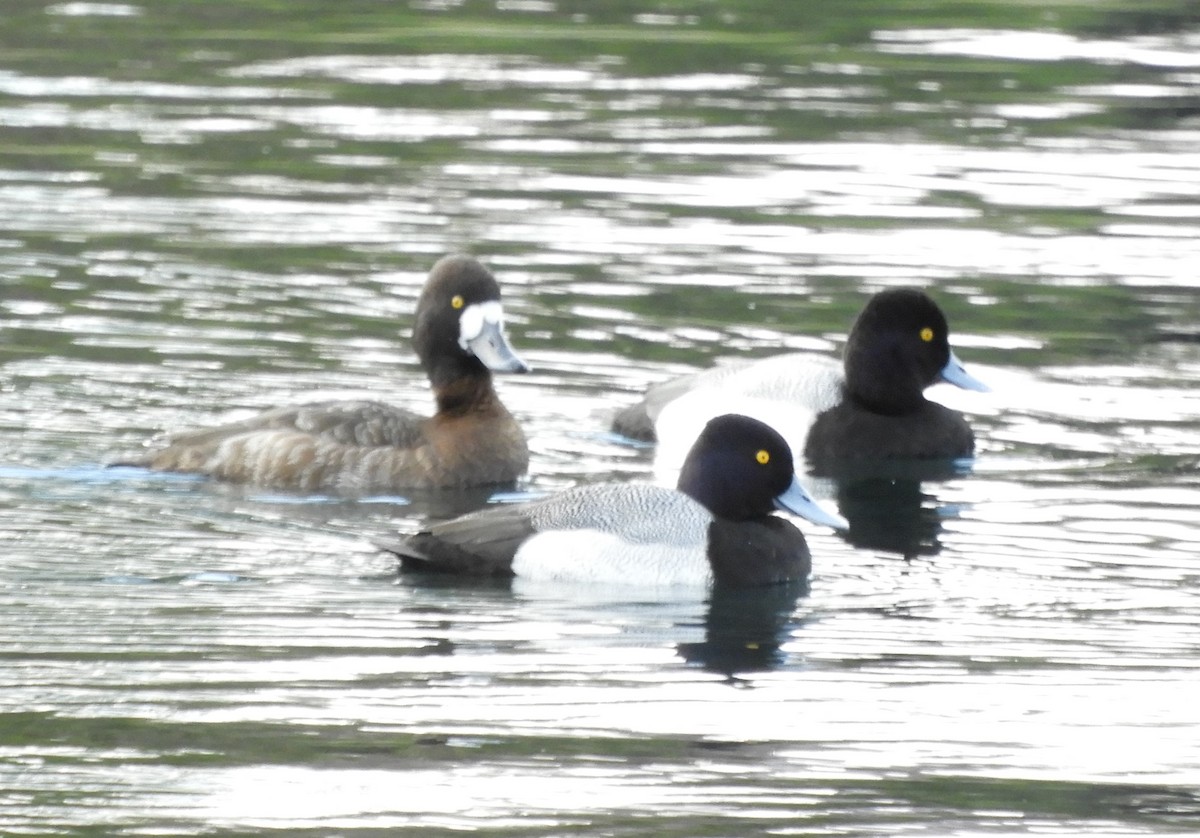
(763, 456)
(457, 301)
(927, 334)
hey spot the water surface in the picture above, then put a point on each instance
(210, 209)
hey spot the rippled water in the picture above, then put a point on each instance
(206, 210)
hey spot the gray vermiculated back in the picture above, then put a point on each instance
(640, 513)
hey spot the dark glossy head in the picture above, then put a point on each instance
(737, 467)
(459, 323)
(898, 346)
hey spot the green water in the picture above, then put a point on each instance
(210, 208)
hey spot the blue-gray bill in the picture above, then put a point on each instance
(796, 500)
(955, 373)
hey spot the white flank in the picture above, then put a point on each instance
(594, 557)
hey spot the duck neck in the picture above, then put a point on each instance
(465, 392)
(882, 382)
(886, 403)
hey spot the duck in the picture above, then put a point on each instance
(368, 447)
(870, 407)
(715, 527)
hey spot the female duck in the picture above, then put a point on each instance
(716, 527)
(368, 447)
(871, 408)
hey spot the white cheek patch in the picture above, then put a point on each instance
(474, 317)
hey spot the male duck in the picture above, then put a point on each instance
(872, 407)
(716, 527)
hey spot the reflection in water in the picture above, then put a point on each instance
(744, 628)
(422, 504)
(890, 505)
(890, 514)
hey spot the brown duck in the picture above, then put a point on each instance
(366, 447)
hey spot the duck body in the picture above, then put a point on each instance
(632, 532)
(803, 379)
(367, 447)
(716, 527)
(354, 448)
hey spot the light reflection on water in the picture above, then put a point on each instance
(183, 656)
(1171, 51)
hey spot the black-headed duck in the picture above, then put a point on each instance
(715, 527)
(872, 406)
